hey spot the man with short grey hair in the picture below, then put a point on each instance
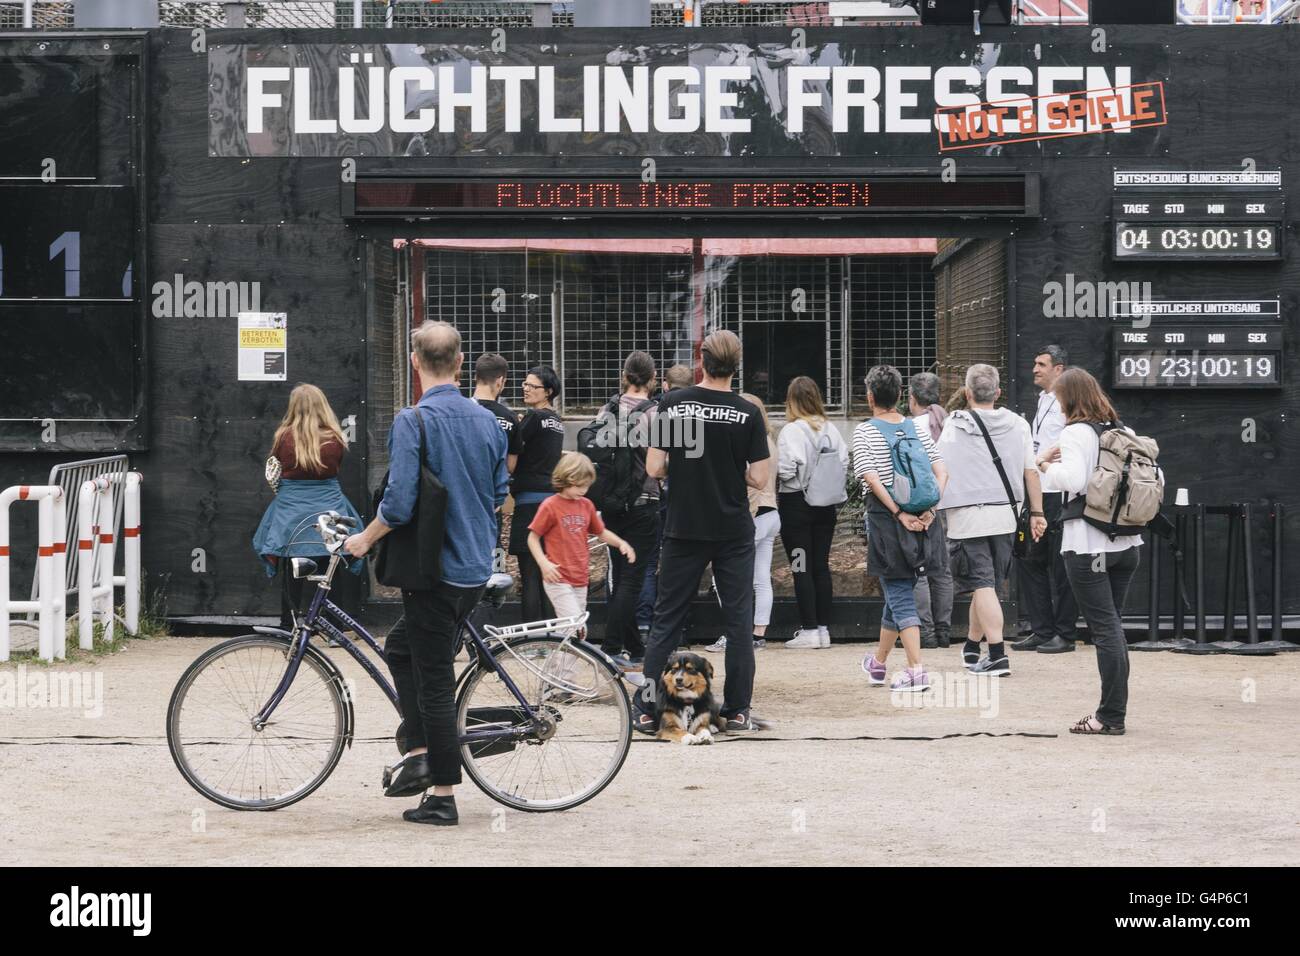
(986, 449)
(460, 442)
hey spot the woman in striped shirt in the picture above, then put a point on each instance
(899, 543)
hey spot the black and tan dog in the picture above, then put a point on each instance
(684, 704)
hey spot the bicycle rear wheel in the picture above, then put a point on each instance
(586, 713)
(223, 756)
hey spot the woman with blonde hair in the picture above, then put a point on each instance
(308, 448)
(812, 469)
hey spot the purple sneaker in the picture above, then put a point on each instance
(911, 681)
(874, 669)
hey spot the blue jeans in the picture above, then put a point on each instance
(900, 605)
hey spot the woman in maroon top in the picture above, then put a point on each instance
(310, 446)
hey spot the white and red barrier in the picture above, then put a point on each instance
(96, 550)
(95, 578)
(51, 563)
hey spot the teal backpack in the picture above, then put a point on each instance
(915, 488)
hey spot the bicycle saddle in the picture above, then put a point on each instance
(498, 589)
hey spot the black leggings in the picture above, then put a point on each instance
(806, 534)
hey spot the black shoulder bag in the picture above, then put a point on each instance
(1023, 545)
(410, 556)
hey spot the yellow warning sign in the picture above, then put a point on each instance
(261, 338)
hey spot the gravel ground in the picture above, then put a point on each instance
(1206, 776)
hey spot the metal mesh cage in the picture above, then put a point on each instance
(611, 305)
(583, 312)
(500, 302)
(317, 14)
(388, 381)
(891, 310)
(757, 298)
(766, 14)
(970, 308)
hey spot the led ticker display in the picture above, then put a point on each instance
(832, 195)
(1197, 356)
(1189, 227)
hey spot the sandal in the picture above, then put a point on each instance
(1085, 726)
(644, 723)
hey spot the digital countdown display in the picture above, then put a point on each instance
(1197, 356)
(567, 196)
(1206, 228)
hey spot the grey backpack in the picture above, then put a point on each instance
(824, 480)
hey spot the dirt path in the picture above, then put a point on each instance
(1207, 775)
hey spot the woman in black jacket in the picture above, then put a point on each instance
(541, 441)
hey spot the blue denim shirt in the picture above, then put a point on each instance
(466, 448)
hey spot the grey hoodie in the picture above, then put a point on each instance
(972, 478)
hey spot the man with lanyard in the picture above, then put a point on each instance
(1048, 598)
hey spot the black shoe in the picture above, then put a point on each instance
(438, 811)
(930, 642)
(1031, 643)
(1057, 645)
(412, 776)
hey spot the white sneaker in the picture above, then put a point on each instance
(823, 637)
(804, 640)
(719, 646)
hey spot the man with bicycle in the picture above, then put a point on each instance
(465, 448)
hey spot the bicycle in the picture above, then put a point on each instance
(543, 721)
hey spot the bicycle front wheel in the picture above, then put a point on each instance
(583, 709)
(219, 751)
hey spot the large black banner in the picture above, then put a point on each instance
(601, 97)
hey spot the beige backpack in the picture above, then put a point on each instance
(1127, 487)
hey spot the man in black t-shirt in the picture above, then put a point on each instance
(490, 372)
(712, 443)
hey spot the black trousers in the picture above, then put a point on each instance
(681, 563)
(421, 652)
(534, 604)
(1044, 585)
(1101, 599)
(637, 526)
(806, 535)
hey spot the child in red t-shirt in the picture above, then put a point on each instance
(557, 536)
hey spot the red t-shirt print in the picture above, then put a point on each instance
(563, 525)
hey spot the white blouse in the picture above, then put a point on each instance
(1080, 450)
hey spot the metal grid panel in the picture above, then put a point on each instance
(45, 16)
(386, 338)
(757, 289)
(891, 317)
(971, 311)
(307, 14)
(615, 304)
(766, 14)
(500, 302)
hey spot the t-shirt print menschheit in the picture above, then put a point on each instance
(710, 436)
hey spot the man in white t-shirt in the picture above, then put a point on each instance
(980, 515)
(1049, 601)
